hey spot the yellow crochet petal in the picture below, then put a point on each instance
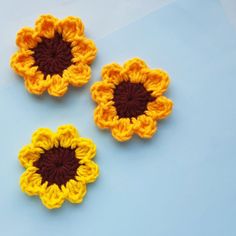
(157, 82)
(76, 191)
(58, 86)
(78, 74)
(102, 92)
(88, 172)
(27, 38)
(30, 182)
(112, 73)
(66, 134)
(83, 50)
(144, 126)
(122, 130)
(160, 108)
(28, 155)
(44, 138)
(45, 26)
(105, 115)
(70, 28)
(52, 197)
(135, 70)
(37, 84)
(135, 64)
(85, 149)
(22, 62)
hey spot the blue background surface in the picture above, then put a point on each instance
(180, 183)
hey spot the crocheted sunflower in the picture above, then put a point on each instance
(53, 55)
(130, 99)
(58, 166)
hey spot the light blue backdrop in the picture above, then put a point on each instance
(180, 183)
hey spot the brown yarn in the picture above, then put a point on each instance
(53, 56)
(57, 165)
(131, 99)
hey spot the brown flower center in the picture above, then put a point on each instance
(57, 165)
(53, 56)
(131, 99)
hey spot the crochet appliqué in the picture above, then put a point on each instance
(53, 55)
(130, 99)
(58, 166)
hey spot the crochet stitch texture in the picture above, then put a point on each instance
(58, 166)
(53, 55)
(130, 99)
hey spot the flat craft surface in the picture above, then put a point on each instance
(182, 182)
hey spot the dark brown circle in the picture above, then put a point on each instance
(131, 99)
(57, 165)
(53, 56)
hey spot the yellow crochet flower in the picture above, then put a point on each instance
(58, 166)
(53, 55)
(130, 99)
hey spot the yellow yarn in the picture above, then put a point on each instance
(74, 190)
(83, 53)
(155, 81)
